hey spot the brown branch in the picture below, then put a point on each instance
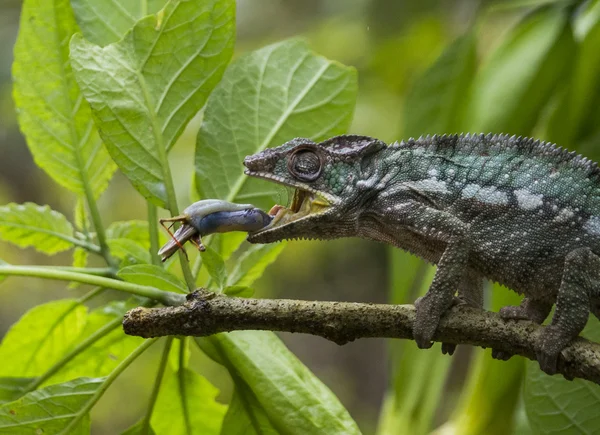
(206, 313)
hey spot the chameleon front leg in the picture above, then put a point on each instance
(438, 299)
(441, 226)
(470, 293)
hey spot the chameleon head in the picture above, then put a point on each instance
(324, 175)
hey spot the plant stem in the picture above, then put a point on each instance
(153, 230)
(90, 295)
(88, 246)
(145, 430)
(98, 271)
(100, 333)
(183, 345)
(107, 383)
(164, 297)
(197, 266)
(168, 179)
(97, 221)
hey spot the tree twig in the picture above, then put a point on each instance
(206, 313)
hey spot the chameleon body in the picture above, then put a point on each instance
(512, 210)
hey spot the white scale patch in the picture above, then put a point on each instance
(528, 200)
(592, 226)
(486, 195)
(432, 185)
(564, 216)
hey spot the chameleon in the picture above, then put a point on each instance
(513, 210)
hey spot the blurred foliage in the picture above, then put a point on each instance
(521, 67)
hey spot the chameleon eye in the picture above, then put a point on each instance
(305, 165)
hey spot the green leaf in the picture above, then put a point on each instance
(555, 405)
(49, 410)
(80, 257)
(103, 356)
(186, 404)
(41, 337)
(215, 266)
(30, 224)
(521, 75)
(12, 388)
(138, 429)
(294, 399)
(570, 121)
(240, 291)
(145, 88)
(129, 252)
(154, 276)
(266, 98)
(52, 114)
(245, 416)
(252, 263)
(437, 99)
(134, 230)
(105, 21)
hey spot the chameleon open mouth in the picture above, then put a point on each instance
(306, 202)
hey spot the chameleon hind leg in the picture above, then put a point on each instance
(579, 287)
(470, 293)
(530, 309)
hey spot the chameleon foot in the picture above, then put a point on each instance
(448, 348)
(425, 324)
(549, 345)
(501, 355)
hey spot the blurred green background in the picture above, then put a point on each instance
(391, 43)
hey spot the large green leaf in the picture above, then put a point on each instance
(129, 251)
(570, 120)
(49, 410)
(134, 230)
(30, 224)
(555, 405)
(522, 74)
(41, 337)
(252, 263)
(437, 99)
(12, 388)
(154, 276)
(103, 356)
(186, 405)
(215, 266)
(53, 116)
(105, 21)
(293, 398)
(145, 88)
(245, 416)
(266, 98)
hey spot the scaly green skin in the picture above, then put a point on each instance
(513, 210)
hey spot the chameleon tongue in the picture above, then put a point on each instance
(275, 209)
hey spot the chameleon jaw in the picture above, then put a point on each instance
(304, 204)
(307, 202)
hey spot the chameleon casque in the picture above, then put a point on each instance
(512, 210)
